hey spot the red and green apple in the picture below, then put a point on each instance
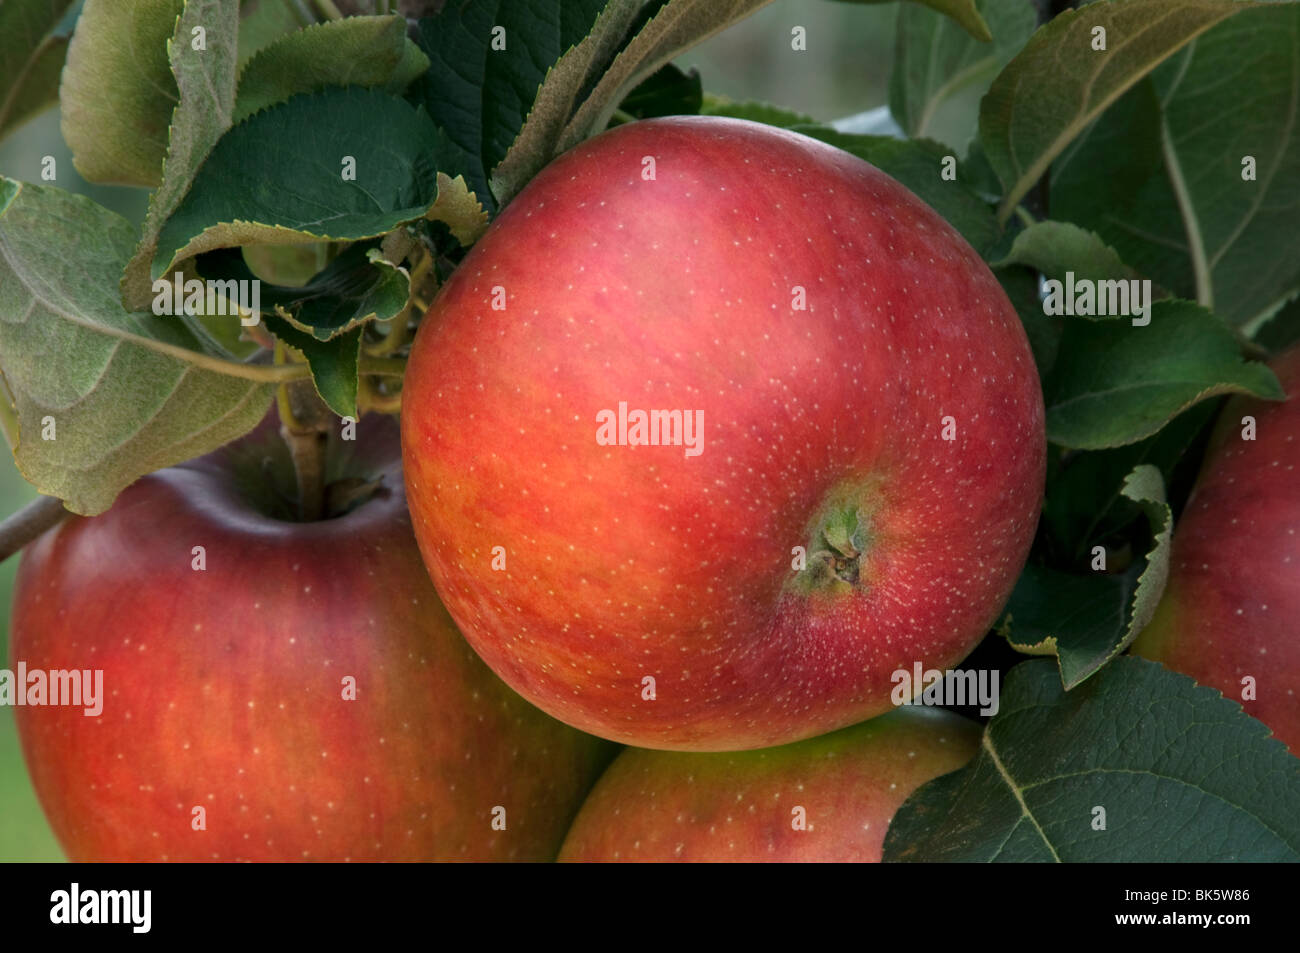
(1230, 614)
(276, 690)
(715, 429)
(827, 799)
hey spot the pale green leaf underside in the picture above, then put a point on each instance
(118, 92)
(128, 393)
(356, 51)
(206, 80)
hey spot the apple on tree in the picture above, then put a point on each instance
(715, 429)
(827, 799)
(1230, 613)
(277, 690)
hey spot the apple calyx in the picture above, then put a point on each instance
(836, 552)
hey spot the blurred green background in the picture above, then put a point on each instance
(845, 70)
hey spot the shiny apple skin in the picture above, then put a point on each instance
(224, 687)
(626, 563)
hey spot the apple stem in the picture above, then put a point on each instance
(304, 426)
(43, 513)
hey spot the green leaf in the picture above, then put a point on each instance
(669, 92)
(206, 81)
(1115, 383)
(1055, 248)
(127, 393)
(356, 287)
(941, 70)
(256, 187)
(333, 363)
(480, 94)
(262, 22)
(360, 51)
(765, 113)
(965, 12)
(1281, 330)
(1058, 83)
(1085, 506)
(31, 59)
(118, 91)
(1182, 213)
(1182, 774)
(1044, 331)
(1087, 620)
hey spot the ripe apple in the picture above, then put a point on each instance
(871, 465)
(1230, 615)
(226, 689)
(827, 799)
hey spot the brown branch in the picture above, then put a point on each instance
(45, 512)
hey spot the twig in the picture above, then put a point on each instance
(45, 512)
(328, 10)
(304, 422)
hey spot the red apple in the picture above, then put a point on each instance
(225, 688)
(891, 435)
(826, 799)
(1230, 615)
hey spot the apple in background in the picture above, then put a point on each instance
(871, 466)
(827, 799)
(225, 687)
(1231, 609)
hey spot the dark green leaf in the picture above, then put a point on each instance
(31, 59)
(256, 186)
(1084, 505)
(1058, 83)
(1282, 330)
(669, 92)
(1044, 331)
(355, 287)
(1055, 248)
(1115, 383)
(480, 96)
(1086, 619)
(1181, 773)
(333, 363)
(1188, 219)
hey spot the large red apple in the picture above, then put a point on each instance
(827, 799)
(1230, 615)
(226, 689)
(868, 406)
